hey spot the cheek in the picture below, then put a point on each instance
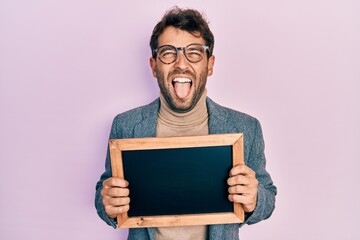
(161, 73)
(161, 77)
(203, 73)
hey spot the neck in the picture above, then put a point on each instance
(193, 122)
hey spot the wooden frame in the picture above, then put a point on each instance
(117, 146)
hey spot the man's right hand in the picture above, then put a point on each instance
(115, 195)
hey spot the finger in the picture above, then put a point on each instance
(116, 202)
(241, 169)
(238, 180)
(238, 189)
(114, 211)
(248, 202)
(238, 169)
(243, 199)
(115, 182)
(117, 192)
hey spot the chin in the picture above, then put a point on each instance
(182, 108)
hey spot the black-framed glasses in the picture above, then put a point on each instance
(168, 54)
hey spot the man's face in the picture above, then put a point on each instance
(181, 83)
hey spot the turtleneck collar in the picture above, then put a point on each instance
(185, 124)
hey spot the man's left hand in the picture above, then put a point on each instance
(243, 187)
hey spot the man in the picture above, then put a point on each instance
(182, 46)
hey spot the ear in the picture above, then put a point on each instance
(153, 66)
(211, 62)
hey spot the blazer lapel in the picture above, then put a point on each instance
(215, 232)
(218, 119)
(152, 233)
(147, 127)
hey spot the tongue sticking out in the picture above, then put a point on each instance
(182, 90)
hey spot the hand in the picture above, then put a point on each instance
(115, 196)
(243, 187)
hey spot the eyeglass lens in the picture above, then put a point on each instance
(194, 53)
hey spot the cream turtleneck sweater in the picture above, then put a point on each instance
(174, 124)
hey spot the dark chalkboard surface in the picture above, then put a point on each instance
(178, 181)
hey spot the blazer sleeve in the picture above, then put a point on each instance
(266, 189)
(107, 174)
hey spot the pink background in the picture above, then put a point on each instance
(68, 67)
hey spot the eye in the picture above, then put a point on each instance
(194, 52)
(167, 52)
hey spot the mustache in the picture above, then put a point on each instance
(181, 72)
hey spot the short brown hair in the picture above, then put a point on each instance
(189, 20)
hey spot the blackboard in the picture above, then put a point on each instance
(178, 181)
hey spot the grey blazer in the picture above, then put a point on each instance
(141, 122)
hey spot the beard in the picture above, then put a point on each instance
(167, 89)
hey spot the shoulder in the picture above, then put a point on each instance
(126, 121)
(139, 113)
(235, 118)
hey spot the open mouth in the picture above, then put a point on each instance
(182, 86)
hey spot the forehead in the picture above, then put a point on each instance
(178, 37)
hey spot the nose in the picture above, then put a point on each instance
(181, 61)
